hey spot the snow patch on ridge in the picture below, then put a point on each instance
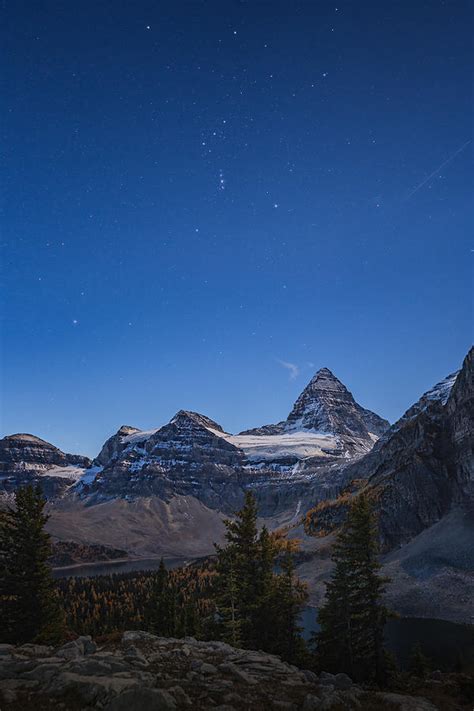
(140, 436)
(70, 472)
(442, 390)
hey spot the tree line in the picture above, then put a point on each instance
(248, 595)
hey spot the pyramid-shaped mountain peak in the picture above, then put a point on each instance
(326, 405)
(325, 379)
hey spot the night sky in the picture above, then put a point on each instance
(205, 202)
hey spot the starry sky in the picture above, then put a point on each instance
(205, 202)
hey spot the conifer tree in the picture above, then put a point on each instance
(265, 612)
(256, 607)
(418, 664)
(162, 605)
(353, 617)
(289, 603)
(29, 603)
(227, 598)
(239, 559)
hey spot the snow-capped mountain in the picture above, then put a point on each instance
(327, 409)
(325, 424)
(25, 458)
(326, 405)
(192, 455)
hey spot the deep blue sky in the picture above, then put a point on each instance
(195, 192)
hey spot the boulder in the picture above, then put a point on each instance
(326, 678)
(342, 682)
(310, 676)
(208, 669)
(70, 650)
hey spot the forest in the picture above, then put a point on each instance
(247, 594)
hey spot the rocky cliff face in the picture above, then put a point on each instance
(460, 418)
(115, 445)
(189, 456)
(420, 468)
(26, 459)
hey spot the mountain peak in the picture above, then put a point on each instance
(26, 438)
(324, 371)
(184, 418)
(126, 430)
(327, 406)
(324, 379)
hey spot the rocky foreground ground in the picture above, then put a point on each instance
(142, 672)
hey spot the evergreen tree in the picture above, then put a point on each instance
(162, 605)
(265, 612)
(289, 603)
(353, 617)
(29, 603)
(227, 597)
(239, 560)
(418, 664)
(256, 607)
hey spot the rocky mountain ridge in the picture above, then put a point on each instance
(26, 459)
(193, 456)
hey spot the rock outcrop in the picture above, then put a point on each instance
(144, 672)
(115, 445)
